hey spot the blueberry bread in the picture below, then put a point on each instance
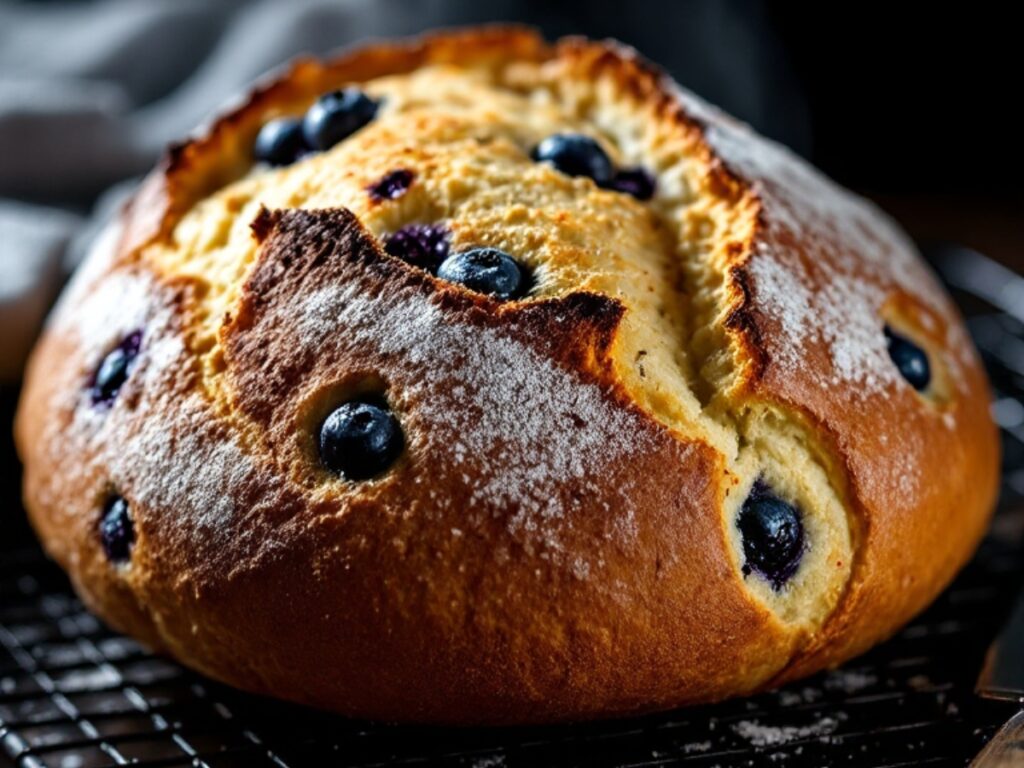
(476, 379)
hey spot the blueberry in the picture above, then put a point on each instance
(336, 116)
(117, 534)
(360, 439)
(392, 185)
(575, 155)
(422, 245)
(280, 142)
(773, 536)
(487, 270)
(637, 182)
(115, 369)
(910, 360)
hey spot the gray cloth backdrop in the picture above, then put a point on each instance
(91, 92)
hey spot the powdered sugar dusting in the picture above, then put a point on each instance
(207, 469)
(167, 452)
(830, 295)
(842, 315)
(118, 305)
(774, 735)
(541, 425)
(811, 206)
(864, 257)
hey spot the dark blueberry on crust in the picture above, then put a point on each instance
(360, 439)
(486, 270)
(115, 369)
(575, 155)
(336, 116)
(392, 185)
(280, 142)
(117, 534)
(637, 182)
(910, 360)
(773, 536)
(422, 245)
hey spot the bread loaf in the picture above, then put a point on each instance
(477, 379)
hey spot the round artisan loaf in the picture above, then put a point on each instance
(513, 384)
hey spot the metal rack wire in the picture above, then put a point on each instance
(75, 695)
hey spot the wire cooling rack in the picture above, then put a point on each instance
(73, 694)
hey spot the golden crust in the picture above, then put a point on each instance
(606, 580)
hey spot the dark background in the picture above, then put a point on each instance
(915, 107)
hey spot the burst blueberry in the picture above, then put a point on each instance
(487, 270)
(910, 360)
(575, 155)
(637, 182)
(360, 439)
(280, 142)
(773, 536)
(117, 533)
(115, 368)
(392, 185)
(422, 245)
(336, 116)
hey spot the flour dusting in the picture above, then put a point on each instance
(842, 315)
(168, 452)
(864, 258)
(774, 735)
(543, 425)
